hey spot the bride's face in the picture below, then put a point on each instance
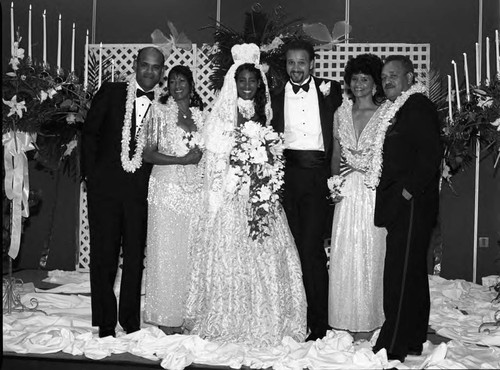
(247, 83)
(179, 87)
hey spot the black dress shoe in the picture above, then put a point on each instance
(415, 350)
(131, 330)
(394, 356)
(106, 332)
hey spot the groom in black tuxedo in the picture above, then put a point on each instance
(117, 199)
(303, 110)
(407, 205)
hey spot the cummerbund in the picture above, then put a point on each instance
(305, 158)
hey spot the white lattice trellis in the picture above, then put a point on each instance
(328, 64)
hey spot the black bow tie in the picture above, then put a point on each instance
(305, 87)
(150, 94)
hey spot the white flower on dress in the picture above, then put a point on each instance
(325, 88)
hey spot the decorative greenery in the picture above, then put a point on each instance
(50, 106)
(478, 118)
(269, 31)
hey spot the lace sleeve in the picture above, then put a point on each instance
(336, 125)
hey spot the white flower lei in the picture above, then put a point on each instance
(372, 177)
(131, 165)
(246, 108)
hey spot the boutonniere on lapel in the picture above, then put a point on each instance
(325, 88)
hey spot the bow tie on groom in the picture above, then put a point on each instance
(296, 88)
(150, 94)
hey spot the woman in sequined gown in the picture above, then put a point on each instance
(357, 246)
(173, 199)
(242, 291)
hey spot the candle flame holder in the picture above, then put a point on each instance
(11, 300)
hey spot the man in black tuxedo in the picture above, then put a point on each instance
(406, 205)
(303, 111)
(117, 192)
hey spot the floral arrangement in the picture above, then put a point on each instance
(42, 113)
(256, 166)
(49, 107)
(270, 32)
(479, 117)
(336, 186)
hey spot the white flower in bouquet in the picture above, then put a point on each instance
(193, 140)
(496, 123)
(336, 186)
(251, 129)
(259, 155)
(264, 194)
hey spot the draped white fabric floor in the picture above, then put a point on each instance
(458, 308)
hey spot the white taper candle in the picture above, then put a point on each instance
(44, 57)
(72, 69)
(466, 71)
(86, 62)
(100, 66)
(58, 64)
(450, 110)
(478, 67)
(29, 34)
(12, 37)
(457, 88)
(488, 76)
(497, 53)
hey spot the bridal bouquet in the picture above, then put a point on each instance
(193, 140)
(256, 165)
(336, 187)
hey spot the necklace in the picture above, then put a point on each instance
(132, 164)
(372, 177)
(184, 113)
(246, 108)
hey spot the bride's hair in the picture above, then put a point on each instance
(259, 99)
(194, 98)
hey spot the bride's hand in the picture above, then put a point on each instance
(193, 156)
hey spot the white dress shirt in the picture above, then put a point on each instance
(302, 120)
(141, 108)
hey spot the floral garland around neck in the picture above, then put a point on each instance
(132, 164)
(372, 176)
(246, 108)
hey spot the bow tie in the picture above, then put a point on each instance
(150, 94)
(305, 87)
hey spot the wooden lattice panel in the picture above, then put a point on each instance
(124, 55)
(331, 63)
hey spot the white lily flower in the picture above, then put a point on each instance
(15, 106)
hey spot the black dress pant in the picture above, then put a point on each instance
(306, 207)
(406, 285)
(116, 222)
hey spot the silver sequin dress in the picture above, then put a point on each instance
(357, 245)
(173, 207)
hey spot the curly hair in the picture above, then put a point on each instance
(368, 64)
(194, 98)
(259, 99)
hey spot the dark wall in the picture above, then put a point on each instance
(450, 26)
